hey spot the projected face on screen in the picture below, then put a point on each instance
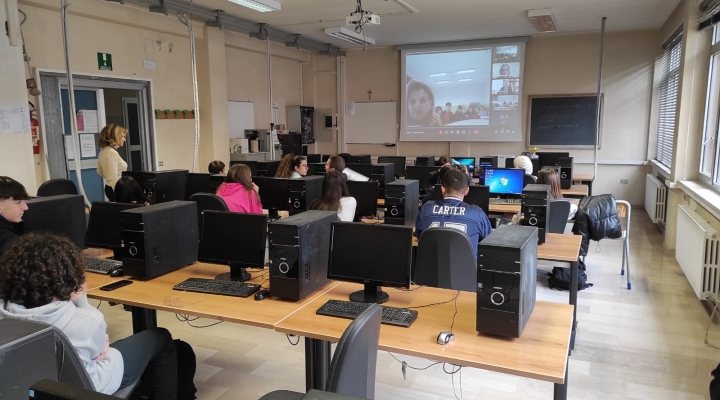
(462, 94)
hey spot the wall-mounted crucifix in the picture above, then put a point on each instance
(369, 92)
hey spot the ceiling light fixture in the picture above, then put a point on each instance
(442, 82)
(349, 35)
(466, 71)
(543, 19)
(465, 80)
(259, 5)
(438, 74)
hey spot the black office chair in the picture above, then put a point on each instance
(558, 211)
(48, 389)
(208, 202)
(445, 259)
(56, 187)
(529, 180)
(352, 370)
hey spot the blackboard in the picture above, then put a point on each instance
(563, 121)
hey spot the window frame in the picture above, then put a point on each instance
(711, 133)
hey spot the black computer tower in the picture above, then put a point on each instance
(291, 143)
(425, 161)
(402, 198)
(161, 186)
(27, 355)
(361, 159)
(316, 169)
(267, 168)
(490, 162)
(534, 208)
(565, 171)
(303, 191)
(383, 173)
(159, 238)
(506, 276)
(299, 250)
(314, 158)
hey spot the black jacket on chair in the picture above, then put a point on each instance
(596, 219)
(7, 234)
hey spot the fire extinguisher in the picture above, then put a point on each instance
(34, 128)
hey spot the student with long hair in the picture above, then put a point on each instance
(239, 191)
(127, 190)
(12, 208)
(549, 176)
(292, 166)
(336, 197)
(110, 164)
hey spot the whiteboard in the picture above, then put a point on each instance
(241, 116)
(373, 122)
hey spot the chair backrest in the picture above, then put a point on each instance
(352, 370)
(55, 187)
(623, 211)
(70, 367)
(445, 259)
(208, 202)
(529, 180)
(558, 212)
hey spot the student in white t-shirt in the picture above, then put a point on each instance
(336, 197)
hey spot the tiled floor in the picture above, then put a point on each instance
(646, 343)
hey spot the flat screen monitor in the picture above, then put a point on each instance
(419, 173)
(103, 230)
(388, 262)
(468, 162)
(477, 195)
(62, 215)
(197, 183)
(273, 192)
(504, 180)
(362, 169)
(398, 162)
(550, 159)
(365, 193)
(234, 239)
(252, 164)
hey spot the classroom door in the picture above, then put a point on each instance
(132, 122)
(90, 115)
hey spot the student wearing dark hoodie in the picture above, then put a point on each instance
(239, 191)
(12, 208)
(42, 279)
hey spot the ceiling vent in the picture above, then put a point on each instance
(543, 20)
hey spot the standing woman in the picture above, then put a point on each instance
(110, 164)
(12, 208)
(336, 197)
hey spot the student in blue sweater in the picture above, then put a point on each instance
(42, 278)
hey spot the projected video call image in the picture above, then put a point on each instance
(505, 102)
(506, 86)
(506, 54)
(506, 70)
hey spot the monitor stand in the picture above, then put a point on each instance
(237, 273)
(370, 294)
(273, 214)
(117, 253)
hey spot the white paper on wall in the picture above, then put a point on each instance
(87, 145)
(14, 119)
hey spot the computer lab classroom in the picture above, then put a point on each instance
(618, 101)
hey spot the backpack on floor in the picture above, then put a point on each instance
(559, 278)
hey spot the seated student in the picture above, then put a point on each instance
(12, 208)
(42, 279)
(452, 210)
(127, 190)
(523, 162)
(335, 197)
(239, 191)
(435, 177)
(549, 176)
(292, 166)
(216, 167)
(336, 163)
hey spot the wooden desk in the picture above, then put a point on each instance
(541, 353)
(559, 247)
(151, 295)
(576, 191)
(584, 179)
(494, 208)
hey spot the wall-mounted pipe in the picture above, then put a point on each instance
(188, 22)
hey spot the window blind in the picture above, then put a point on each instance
(668, 96)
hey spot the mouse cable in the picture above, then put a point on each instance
(186, 318)
(98, 306)
(287, 335)
(453, 320)
(405, 364)
(261, 285)
(707, 330)
(452, 379)
(437, 304)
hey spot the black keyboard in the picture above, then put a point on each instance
(101, 265)
(350, 309)
(212, 286)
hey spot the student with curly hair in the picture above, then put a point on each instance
(12, 208)
(42, 278)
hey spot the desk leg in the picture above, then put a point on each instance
(560, 392)
(317, 363)
(143, 318)
(574, 267)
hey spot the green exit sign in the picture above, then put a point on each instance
(104, 61)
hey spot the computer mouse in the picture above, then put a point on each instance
(262, 294)
(116, 273)
(445, 337)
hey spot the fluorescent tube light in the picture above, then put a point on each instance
(442, 82)
(438, 74)
(464, 80)
(466, 71)
(349, 35)
(259, 5)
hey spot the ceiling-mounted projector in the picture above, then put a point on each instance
(362, 18)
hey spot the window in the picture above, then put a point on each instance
(668, 95)
(710, 145)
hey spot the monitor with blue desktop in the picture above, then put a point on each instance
(468, 162)
(234, 239)
(504, 181)
(383, 259)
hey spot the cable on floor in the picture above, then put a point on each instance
(287, 335)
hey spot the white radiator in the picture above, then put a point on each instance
(655, 197)
(697, 250)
